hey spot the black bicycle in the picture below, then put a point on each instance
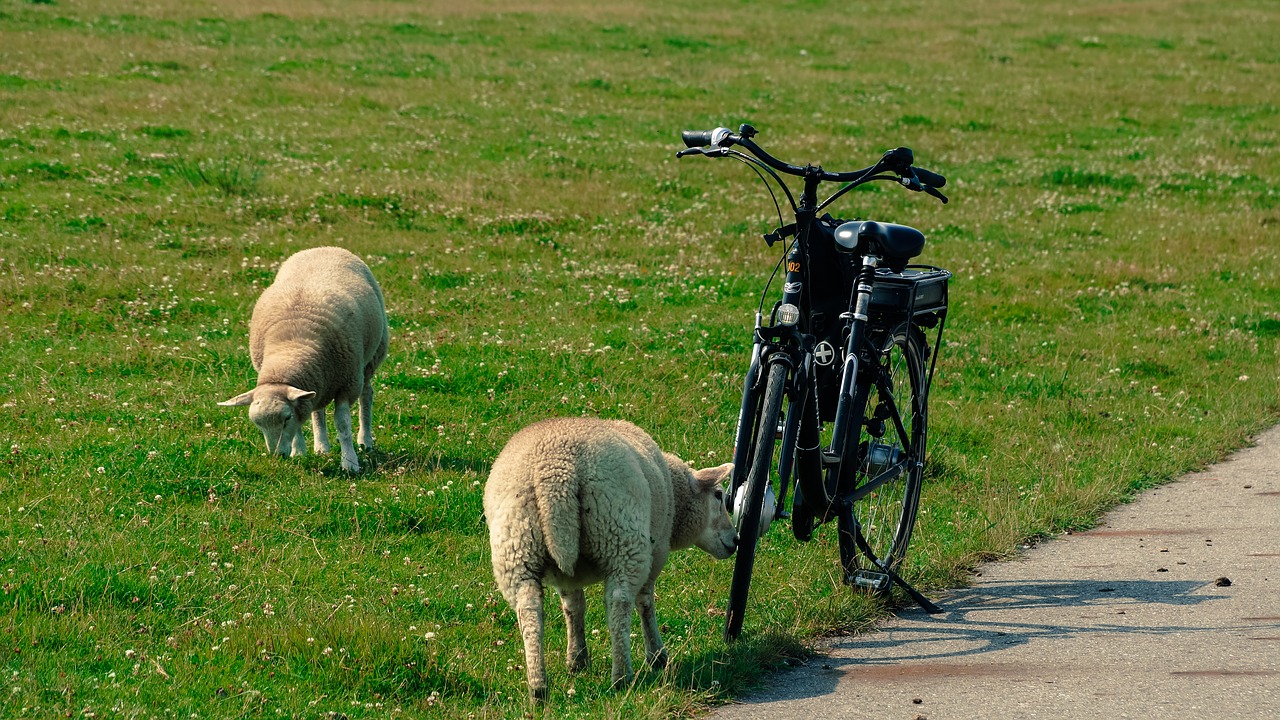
(836, 395)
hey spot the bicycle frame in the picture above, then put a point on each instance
(783, 386)
(797, 347)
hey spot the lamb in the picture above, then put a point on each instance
(317, 335)
(576, 501)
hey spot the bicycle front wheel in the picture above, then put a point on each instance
(748, 518)
(892, 447)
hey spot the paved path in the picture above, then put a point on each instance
(1129, 620)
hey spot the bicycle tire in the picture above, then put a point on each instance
(887, 516)
(753, 504)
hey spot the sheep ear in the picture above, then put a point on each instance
(294, 394)
(710, 478)
(239, 400)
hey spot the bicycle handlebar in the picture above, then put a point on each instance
(899, 160)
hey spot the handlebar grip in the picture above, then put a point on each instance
(932, 179)
(696, 138)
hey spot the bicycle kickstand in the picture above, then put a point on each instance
(867, 577)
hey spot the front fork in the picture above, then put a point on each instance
(743, 439)
(766, 342)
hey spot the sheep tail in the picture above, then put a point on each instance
(556, 489)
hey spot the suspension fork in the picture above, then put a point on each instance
(744, 441)
(798, 428)
(793, 293)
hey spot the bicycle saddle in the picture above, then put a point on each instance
(895, 243)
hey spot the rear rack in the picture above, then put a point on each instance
(919, 290)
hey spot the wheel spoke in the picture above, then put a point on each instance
(892, 447)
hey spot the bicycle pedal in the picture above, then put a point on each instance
(869, 580)
(829, 459)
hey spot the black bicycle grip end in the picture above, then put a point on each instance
(932, 179)
(696, 138)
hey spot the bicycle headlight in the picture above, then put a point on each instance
(788, 314)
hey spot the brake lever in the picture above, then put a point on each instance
(934, 192)
(708, 152)
(913, 183)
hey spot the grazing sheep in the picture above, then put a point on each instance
(577, 501)
(316, 336)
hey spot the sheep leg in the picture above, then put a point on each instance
(342, 423)
(366, 415)
(574, 605)
(299, 443)
(320, 431)
(526, 598)
(655, 654)
(619, 601)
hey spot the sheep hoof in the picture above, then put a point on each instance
(621, 682)
(579, 661)
(538, 694)
(659, 661)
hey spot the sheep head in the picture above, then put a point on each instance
(718, 537)
(279, 411)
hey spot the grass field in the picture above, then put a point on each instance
(507, 169)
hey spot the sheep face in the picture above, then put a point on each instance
(279, 411)
(718, 537)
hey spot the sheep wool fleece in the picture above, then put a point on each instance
(316, 336)
(576, 501)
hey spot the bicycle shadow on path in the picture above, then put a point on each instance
(983, 619)
(995, 619)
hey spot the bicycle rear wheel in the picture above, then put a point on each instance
(748, 520)
(892, 447)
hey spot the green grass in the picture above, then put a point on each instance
(508, 171)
